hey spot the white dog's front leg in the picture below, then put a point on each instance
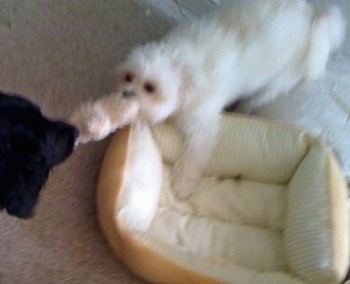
(199, 141)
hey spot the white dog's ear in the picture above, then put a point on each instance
(189, 79)
(181, 65)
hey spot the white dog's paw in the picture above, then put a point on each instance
(183, 182)
(183, 188)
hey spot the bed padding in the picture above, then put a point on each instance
(270, 208)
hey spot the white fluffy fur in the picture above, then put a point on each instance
(247, 49)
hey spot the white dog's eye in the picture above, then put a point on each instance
(129, 77)
(149, 87)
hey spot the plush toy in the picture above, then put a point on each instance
(97, 119)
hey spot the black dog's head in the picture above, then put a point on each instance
(30, 146)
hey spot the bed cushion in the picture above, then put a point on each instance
(271, 207)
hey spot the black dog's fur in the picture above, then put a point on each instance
(30, 146)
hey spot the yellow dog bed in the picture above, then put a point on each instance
(271, 207)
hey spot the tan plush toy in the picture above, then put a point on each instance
(96, 120)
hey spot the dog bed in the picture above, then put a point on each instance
(271, 207)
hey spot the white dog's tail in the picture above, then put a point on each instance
(327, 34)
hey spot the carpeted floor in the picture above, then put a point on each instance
(59, 54)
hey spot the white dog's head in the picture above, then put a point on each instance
(151, 75)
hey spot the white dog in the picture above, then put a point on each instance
(248, 48)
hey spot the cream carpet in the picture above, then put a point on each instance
(60, 53)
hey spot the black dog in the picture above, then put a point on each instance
(30, 146)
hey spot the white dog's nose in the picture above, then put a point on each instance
(129, 94)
